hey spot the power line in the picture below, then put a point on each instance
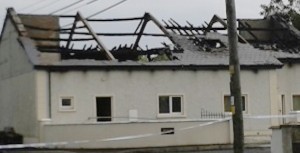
(106, 9)
(86, 4)
(32, 4)
(45, 6)
(65, 7)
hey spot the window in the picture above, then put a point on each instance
(227, 104)
(296, 102)
(67, 104)
(170, 105)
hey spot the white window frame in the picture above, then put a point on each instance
(172, 114)
(67, 108)
(246, 111)
(292, 101)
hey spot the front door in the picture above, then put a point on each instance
(103, 106)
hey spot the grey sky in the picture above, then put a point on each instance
(194, 11)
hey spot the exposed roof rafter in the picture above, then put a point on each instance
(79, 17)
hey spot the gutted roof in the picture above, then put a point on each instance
(186, 46)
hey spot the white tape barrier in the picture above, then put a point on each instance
(45, 145)
(269, 116)
(54, 144)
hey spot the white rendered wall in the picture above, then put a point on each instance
(289, 84)
(139, 90)
(17, 86)
(136, 135)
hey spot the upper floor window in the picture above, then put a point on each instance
(171, 105)
(227, 104)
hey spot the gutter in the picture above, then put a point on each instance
(151, 67)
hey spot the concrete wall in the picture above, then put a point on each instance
(98, 134)
(139, 90)
(17, 86)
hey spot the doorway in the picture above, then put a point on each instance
(103, 108)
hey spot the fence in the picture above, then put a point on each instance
(205, 114)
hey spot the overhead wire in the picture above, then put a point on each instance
(106, 9)
(45, 6)
(86, 4)
(65, 7)
(31, 5)
(99, 12)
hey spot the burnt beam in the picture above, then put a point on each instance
(94, 35)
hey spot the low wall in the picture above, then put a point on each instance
(137, 134)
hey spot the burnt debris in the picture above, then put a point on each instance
(272, 33)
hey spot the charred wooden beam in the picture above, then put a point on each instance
(192, 28)
(176, 27)
(164, 30)
(222, 28)
(72, 31)
(247, 25)
(66, 16)
(214, 20)
(61, 39)
(118, 34)
(138, 27)
(144, 24)
(167, 25)
(89, 28)
(179, 26)
(115, 20)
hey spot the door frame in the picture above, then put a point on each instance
(95, 106)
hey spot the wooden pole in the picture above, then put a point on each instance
(235, 86)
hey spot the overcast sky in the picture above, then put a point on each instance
(194, 11)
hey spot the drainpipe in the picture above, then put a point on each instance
(49, 95)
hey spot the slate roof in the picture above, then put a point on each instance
(191, 56)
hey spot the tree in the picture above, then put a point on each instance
(288, 9)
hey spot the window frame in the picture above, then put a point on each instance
(67, 108)
(246, 111)
(171, 113)
(112, 98)
(292, 101)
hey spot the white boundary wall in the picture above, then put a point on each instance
(137, 134)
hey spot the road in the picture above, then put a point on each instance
(256, 150)
(248, 150)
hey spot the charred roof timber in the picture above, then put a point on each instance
(190, 44)
(120, 53)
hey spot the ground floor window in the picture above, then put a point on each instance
(171, 105)
(66, 103)
(296, 102)
(227, 103)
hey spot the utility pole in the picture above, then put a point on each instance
(235, 85)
